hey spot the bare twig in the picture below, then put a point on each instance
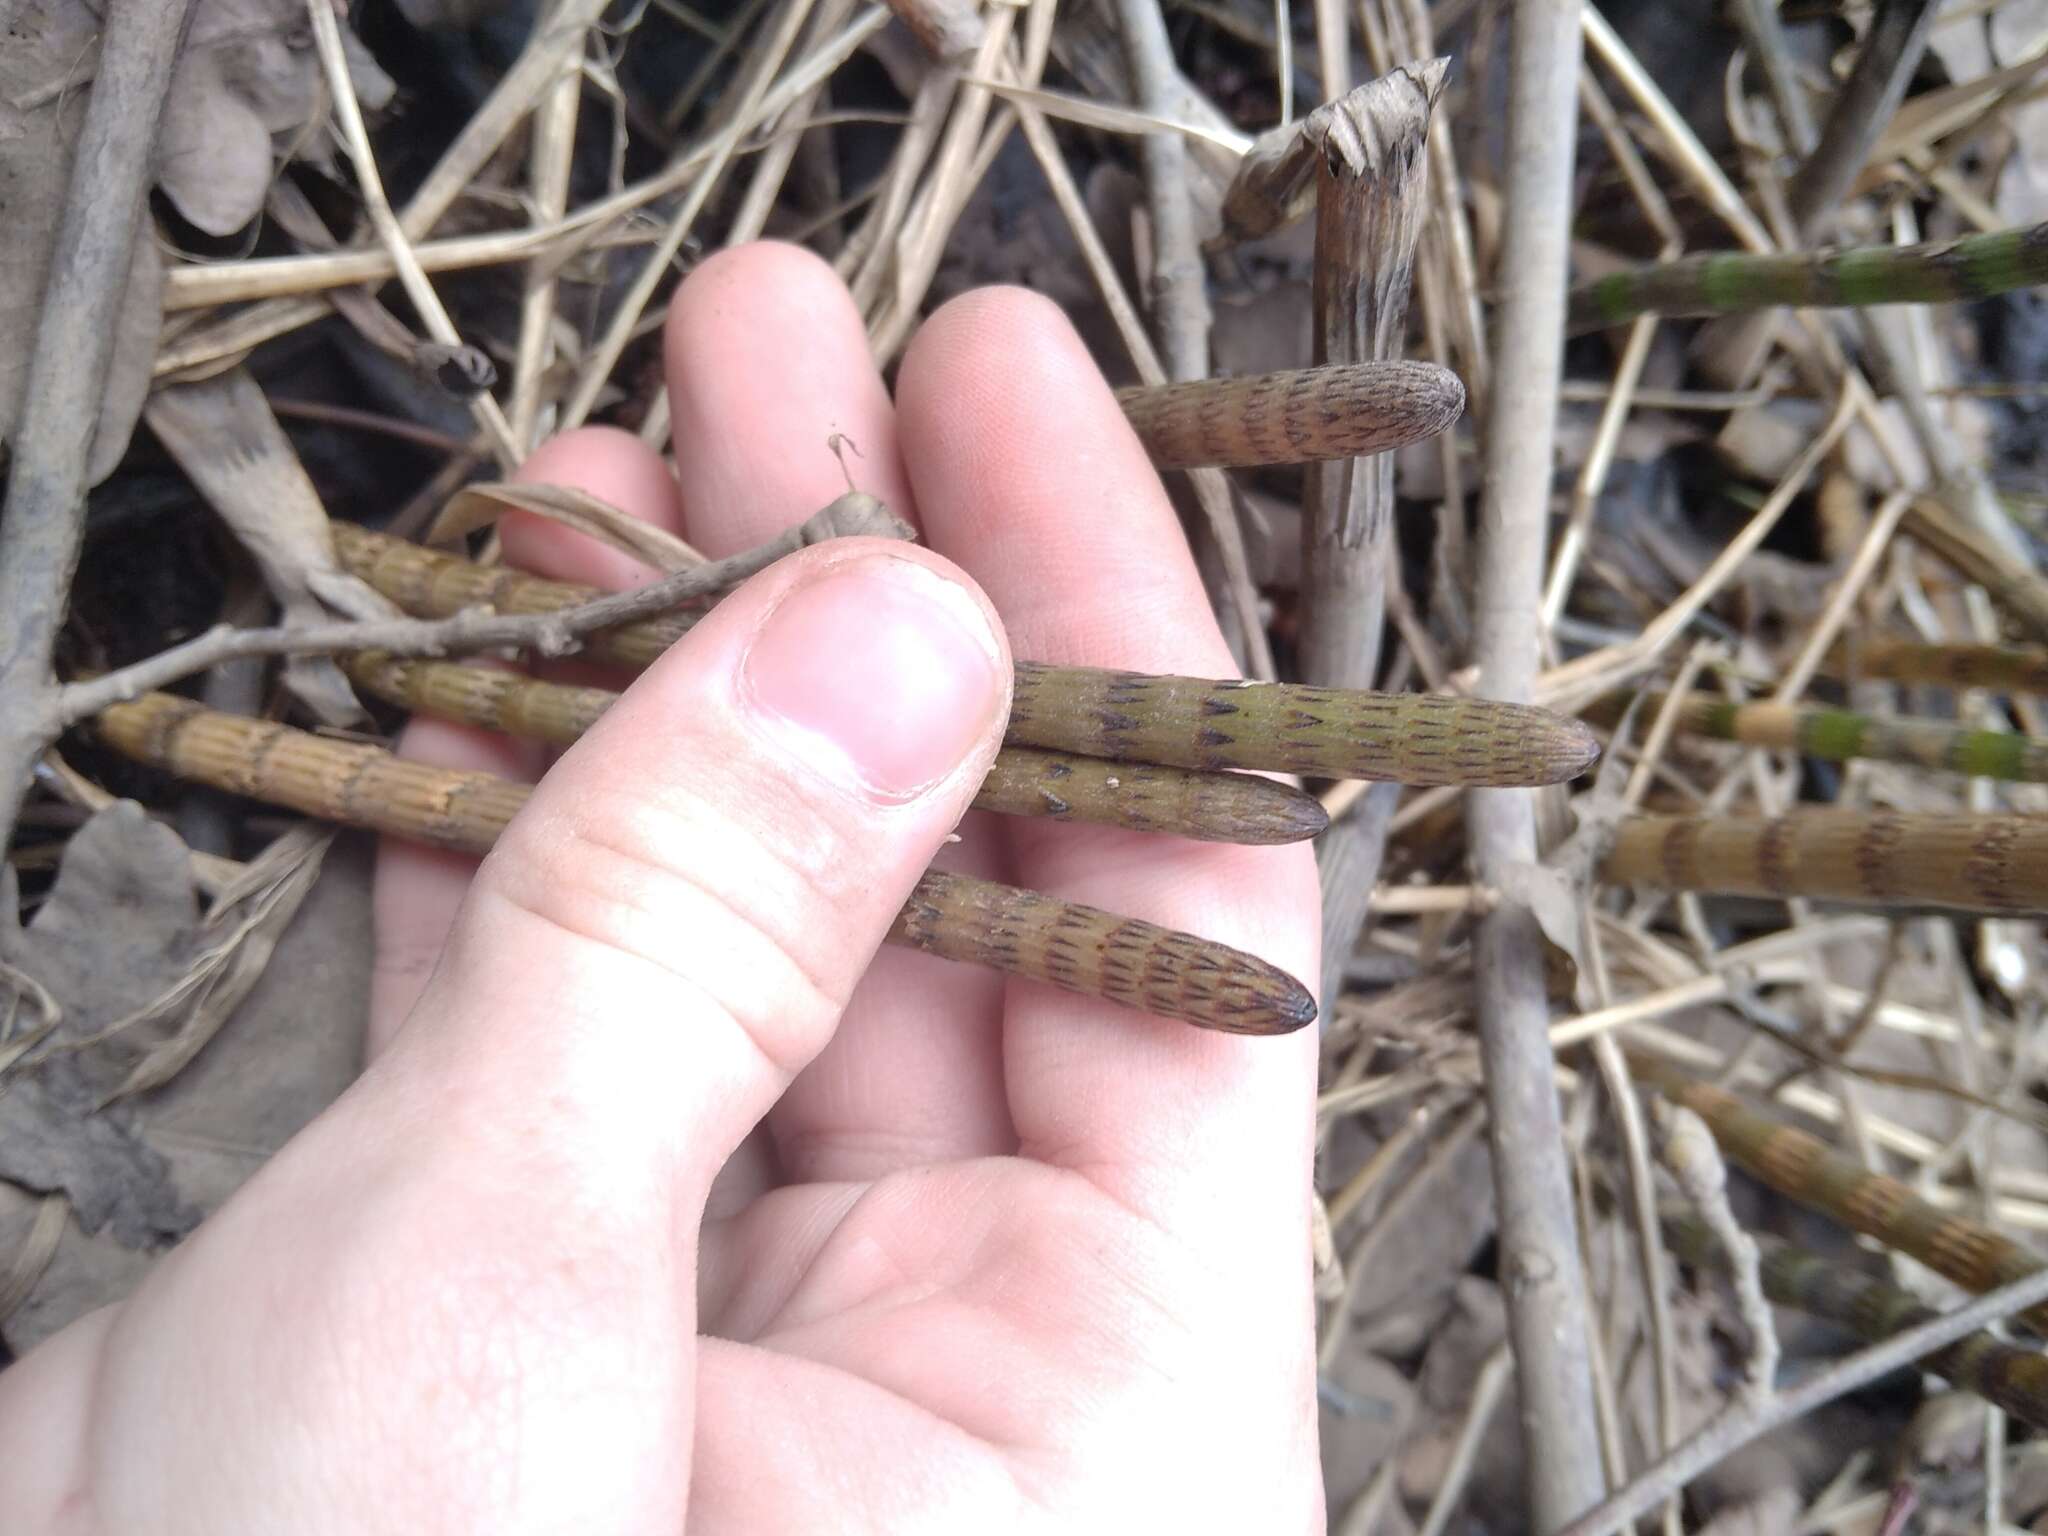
(1179, 281)
(1765, 31)
(2012, 1376)
(1539, 1240)
(549, 633)
(1642, 1194)
(1737, 1429)
(44, 521)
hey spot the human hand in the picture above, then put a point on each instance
(999, 1257)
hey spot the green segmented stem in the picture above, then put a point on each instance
(1178, 722)
(1840, 734)
(1976, 267)
(1804, 1168)
(2002, 668)
(2012, 1377)
(1021, 933)
(1210, 807)
(1973, 863)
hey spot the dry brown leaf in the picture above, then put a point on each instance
(120, 927)
(1366, 1407)
(46, 70)
(480, 506)
(243, 927)
(224, 436)
(247, 94)
(291, 1046)
(247, 89)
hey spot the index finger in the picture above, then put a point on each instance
(1028, 476)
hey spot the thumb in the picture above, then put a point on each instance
(671, 927)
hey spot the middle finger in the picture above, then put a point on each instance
(767, 360)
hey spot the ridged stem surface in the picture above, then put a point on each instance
(1179, 722)
(1838, 735)
(1806, 1169)
(1300, 416)
(1143, 797)
(1953, 271)
(1960, 860)
(2004, 668)
(1021, 933)
(2011, 1376)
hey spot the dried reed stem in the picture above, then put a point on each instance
(1370, 200)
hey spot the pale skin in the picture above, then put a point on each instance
(666, 1202)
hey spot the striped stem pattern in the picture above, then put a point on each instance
(431, 585)
(1804, 1168)
(2002, 668)
(2013, 1378)
(1122, 716)
(1304, 416)
(1143, 797)
(1327, 733)
(1975, 863)
(1021, 933)
(1976, 267)
(1841, 734)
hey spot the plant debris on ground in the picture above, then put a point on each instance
(1779, 545)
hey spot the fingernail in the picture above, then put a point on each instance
(878, 673)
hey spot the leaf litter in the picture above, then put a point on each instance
(935, 148)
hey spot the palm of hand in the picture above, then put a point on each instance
(995, 1254)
